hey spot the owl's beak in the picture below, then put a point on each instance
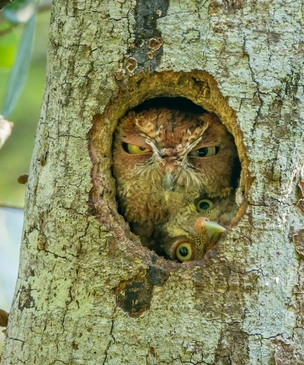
(213, 229)
(166, 196)
(169, 185)
(169, 182)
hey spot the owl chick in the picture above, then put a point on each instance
(196, 228)
(186, 248)
(163, 159)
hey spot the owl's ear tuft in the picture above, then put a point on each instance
(145, 122)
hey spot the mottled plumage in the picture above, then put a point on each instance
(163, 159)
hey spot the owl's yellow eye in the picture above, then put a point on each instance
(205, 151)
(184, 252)
(134, 150)
(203, 205)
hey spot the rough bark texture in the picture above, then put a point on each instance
(88, 293)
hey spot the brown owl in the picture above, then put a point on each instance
(163, 159)
(197, 227)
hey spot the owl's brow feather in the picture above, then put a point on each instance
(154, 148)
(182, 148)
(190, 145)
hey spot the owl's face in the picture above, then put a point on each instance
(183, 221)
(186, 248)
(175, 152)
(192, 230)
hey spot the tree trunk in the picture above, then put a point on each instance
(88, 292)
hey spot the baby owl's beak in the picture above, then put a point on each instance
(213, 229)
(169, 182)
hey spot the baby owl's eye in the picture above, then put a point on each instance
(204, 152)
(184, 252)
(134, 150)
(203, 205)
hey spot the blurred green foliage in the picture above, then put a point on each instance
(16, 153)
(8, 45)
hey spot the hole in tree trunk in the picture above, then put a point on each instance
(176, 162)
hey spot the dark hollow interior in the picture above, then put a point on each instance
(179, 103)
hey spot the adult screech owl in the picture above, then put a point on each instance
(163, 159)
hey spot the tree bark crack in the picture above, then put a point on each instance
(111, 335)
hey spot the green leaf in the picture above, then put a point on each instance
(20, 11)
(20, 68)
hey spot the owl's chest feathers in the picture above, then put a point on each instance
(152, 205)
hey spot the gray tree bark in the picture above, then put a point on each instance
(88, 292)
